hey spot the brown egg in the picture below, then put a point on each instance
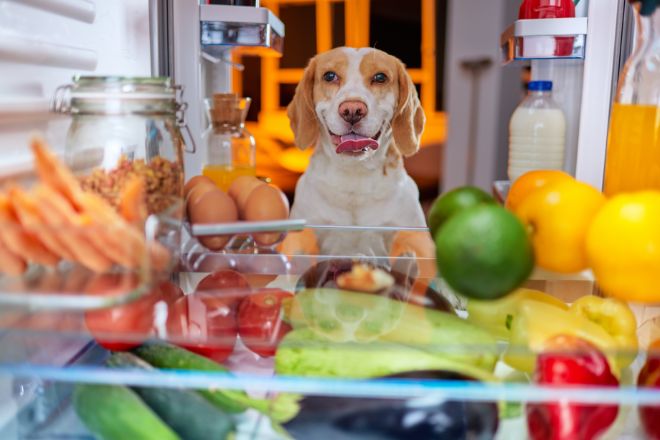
(212, 206)
(240, 190)
(196, 192)
(193, 182)
(266, 202)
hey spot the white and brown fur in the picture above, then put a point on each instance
(367, 189)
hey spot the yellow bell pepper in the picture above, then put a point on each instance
(536, 322)
(616, 318)
(497, 316)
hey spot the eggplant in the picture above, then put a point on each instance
(347, 418)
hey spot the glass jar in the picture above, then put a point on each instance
(123, 128)
(230, 148)
(633, 151)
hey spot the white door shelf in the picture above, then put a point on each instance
(551, 38)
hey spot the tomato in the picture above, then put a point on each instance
(169, 291)
(204, 324)
(649, 376)
(122, 327)
(225, 283)
(260, 323)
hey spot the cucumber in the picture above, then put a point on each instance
(187, 413)
(281, 409)
(117, 413)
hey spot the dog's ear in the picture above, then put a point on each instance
(408, 121)
(301, 111)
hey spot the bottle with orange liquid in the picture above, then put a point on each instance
(633, 150)
(230, 148)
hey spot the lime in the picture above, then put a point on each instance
(484, 252)
(453, 202)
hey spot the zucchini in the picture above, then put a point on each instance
(281, 409)
(187, 413)
(116, 413)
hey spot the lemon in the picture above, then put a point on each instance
(484, 252)
(623, 247)
(453, 202)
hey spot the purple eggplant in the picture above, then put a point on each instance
(347, 418)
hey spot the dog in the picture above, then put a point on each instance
(360, 110)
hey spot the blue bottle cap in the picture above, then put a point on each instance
(540, 86)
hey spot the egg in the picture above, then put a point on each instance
(196, 192)
(266, 202)
(240, 191)
(212, 206)
(194, 182)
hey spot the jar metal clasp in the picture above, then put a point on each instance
(61, 102)
(181, 107)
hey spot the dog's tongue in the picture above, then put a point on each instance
(354, 142)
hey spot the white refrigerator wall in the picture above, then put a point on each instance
(474, 28)
(44, 43)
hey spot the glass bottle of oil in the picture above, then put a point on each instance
(230, 148)
(633, 151)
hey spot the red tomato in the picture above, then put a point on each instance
(122, 327)
(204, 324)
(227, 284)
(260, 321)
(169, 291)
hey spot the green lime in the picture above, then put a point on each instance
(484, 252)
(453, 202)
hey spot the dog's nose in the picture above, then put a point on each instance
(352, 111)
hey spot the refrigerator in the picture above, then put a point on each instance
(351, 344)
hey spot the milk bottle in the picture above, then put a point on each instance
(537, 132)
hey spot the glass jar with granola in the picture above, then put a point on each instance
(123, 128)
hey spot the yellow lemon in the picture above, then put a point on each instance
(623, 247)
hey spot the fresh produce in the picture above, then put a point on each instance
(538, 322)
(497, 316)
(204, 324)
(649, 376)
(125, 326)
(530, 182)
(357, 418)
(101, 231)
(227, 284)
(116, 413)
(186, 412)
(260, 321)
(616, 318)
(280, 409)
(483, 252)
(304, 353)
(623, 245)
(454, 202)
(342, 316)
(558, 216)
(571, 361)
(169, 291)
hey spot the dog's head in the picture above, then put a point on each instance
(355, 101)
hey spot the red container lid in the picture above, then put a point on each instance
(531, 9)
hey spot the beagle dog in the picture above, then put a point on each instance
(360, 110)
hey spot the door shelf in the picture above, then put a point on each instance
(553, 38)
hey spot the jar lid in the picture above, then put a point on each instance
(229, 108)
(122, 87)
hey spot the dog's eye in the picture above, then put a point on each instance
(330, 76)
(379, 78)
